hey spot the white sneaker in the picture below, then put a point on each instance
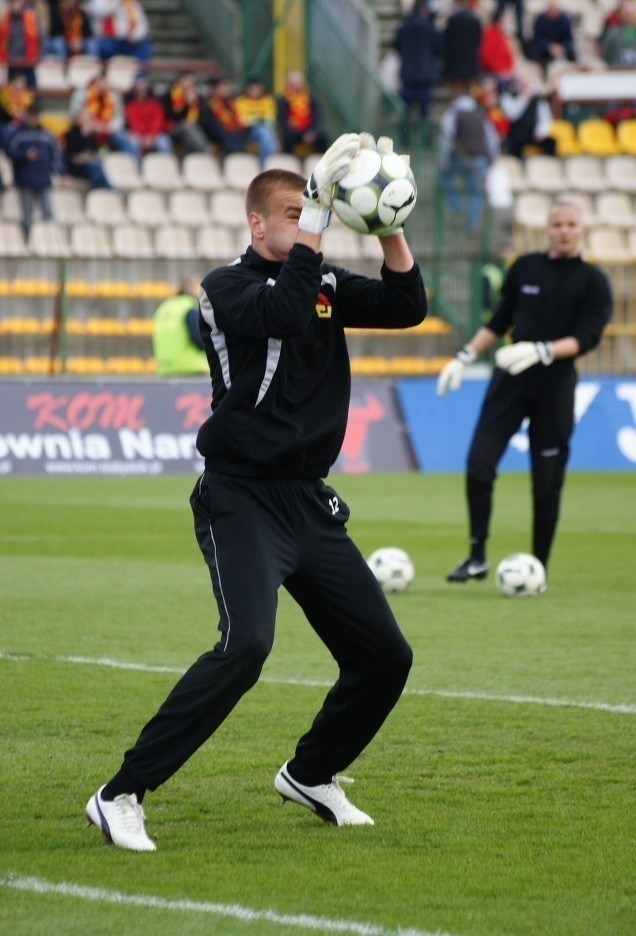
(121, 821)
(327, 800)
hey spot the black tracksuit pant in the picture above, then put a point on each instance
(545, 395)
(255, 536)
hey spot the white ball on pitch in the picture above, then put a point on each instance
(392, 568)
(520, 575)
(377, 194)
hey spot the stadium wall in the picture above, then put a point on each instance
(62, 427)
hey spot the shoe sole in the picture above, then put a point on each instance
(480, 576)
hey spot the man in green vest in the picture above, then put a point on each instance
(176, 340)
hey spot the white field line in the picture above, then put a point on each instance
(301, 921)
(621, 709)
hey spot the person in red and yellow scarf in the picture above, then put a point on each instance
(71, 32)
(20, 41)
(15, 99)
(182, 107)
(299, 116)
(232, 123)
(105, 107)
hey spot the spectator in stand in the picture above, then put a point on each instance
(183, 109)
(552, 37)
(71, 32)
(105, 106)
(487, 94)
(81, 151)
(146, 119)
(419, 46)
(618, 46)
(20, 40)
(15, 99)
(468, 147)
(519, 14)
(496, 55)
(530, 117)
(35, 156)
(299, 116)
(257, 111)
(121, 27)
(461, 43)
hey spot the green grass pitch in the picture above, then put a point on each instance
(502, 786)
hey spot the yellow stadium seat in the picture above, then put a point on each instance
(626, 133)
(598, 138)
(567, 142)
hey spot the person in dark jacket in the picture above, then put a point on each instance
(419, 45)
(273, 326)
(462, 41)
(552, 36)
(554, 306)
(81, 151)
(35, 156)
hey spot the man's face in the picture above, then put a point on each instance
(274, 234)
(565, 231)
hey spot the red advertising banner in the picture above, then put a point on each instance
(123, 428)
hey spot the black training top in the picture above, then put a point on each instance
(274, 336)
(544, 299)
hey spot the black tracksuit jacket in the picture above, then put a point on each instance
(274, 336)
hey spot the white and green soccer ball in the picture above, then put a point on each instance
(377, 194)
(520, 575)
(392, 568)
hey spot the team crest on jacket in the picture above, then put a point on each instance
(323, 306)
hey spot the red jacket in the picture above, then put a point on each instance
(145, 117)
(495, 53)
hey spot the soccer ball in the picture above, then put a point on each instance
(392, 568)
(377, 194)
(520, 576)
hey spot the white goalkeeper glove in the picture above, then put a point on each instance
(320, 188)
(518, 357)
(452, 374)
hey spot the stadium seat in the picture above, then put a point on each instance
(174, 242)
(81, 69)
(287, 161)
(585, 173)
(91, 240)
(55, 122)
(202, 171)
(68, 205)
(597, 138)
(215, 243)
(105, 206)
(121, 171)
(121, 71)
(6, 170)
(147, 206)
(309, 162)
(626, 133)
(12, 240)
(50, 75)
(228, 208)
(239, 169)
(607, 244)
(615, 209)
(545, 173)
(631, 243)
(371, 249)
(531, 209)
(161, 171)
(11, 208)
(567, 143)
(48, 239)
(620, 172)
(132, 240)
(189, 208)
(515, 172)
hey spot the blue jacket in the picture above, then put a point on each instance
(35, 172)
(419, 46)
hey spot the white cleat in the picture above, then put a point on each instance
(327, 800)
(121, 821)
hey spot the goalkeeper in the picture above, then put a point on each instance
(554, 307)
(273, 327)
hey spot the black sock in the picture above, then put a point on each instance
(123, 783)
(478, 550)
